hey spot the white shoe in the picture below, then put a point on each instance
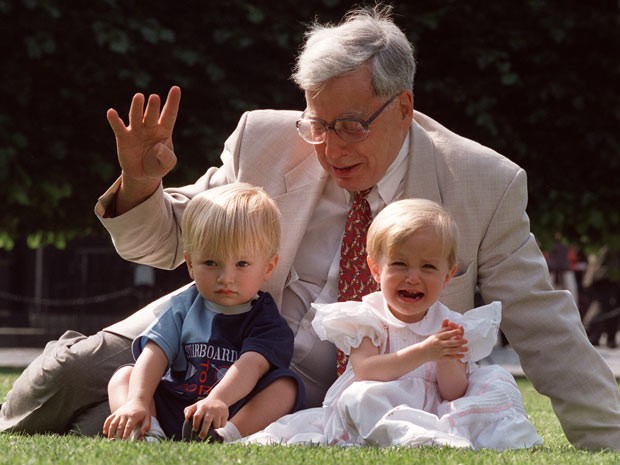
(150, 436)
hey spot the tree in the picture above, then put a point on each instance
(537, 81)
(534, 80)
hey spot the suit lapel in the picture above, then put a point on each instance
(421, 179)
(304, 185)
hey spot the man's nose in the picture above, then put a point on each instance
(334, 146)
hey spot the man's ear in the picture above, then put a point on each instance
(406, 108)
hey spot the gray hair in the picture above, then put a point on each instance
(366, 35)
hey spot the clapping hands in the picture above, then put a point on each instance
(447, 344)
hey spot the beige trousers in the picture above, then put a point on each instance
(65, 388)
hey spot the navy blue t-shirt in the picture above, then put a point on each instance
(202, 343)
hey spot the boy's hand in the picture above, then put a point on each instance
(207, 413)
(130, 416)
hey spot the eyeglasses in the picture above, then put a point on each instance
(314, 131)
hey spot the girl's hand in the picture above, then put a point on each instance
(447, 325)
(447, 344)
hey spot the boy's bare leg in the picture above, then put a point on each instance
(270, 404)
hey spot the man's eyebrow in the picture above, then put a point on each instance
(356, 115)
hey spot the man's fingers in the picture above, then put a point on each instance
(115, 121)
(151, 114)
(171, 108)
(136, 110)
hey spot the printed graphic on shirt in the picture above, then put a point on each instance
(206, 366)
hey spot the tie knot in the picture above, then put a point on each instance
(361, 195)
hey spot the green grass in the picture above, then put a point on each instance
(68, 450)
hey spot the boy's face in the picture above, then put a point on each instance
(413, 277)
(230, 281)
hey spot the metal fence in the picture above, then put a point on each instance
(83, 287)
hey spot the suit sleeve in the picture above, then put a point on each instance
(544, 326)
(150, 233)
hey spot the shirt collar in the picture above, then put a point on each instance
(389, 184)
(229, 310)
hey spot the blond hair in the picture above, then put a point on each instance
(400, 220)
(231, 220)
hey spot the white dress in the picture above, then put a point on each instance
(409, 411)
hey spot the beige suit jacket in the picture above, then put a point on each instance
(485, 193)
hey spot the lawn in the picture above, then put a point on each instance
(68, 450)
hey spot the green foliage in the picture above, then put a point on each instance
(536, 85)
(540, 87)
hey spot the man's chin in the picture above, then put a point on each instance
(350, 182)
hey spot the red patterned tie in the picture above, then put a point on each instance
(355, 280)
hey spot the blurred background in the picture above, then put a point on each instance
(536, 80)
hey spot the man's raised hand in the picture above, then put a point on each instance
(144, 146)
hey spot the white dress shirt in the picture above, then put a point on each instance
(319, 281)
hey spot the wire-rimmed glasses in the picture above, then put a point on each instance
(314, 131)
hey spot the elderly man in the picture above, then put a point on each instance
(358, 132)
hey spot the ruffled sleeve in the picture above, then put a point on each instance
(347, 323)
(481, 326)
